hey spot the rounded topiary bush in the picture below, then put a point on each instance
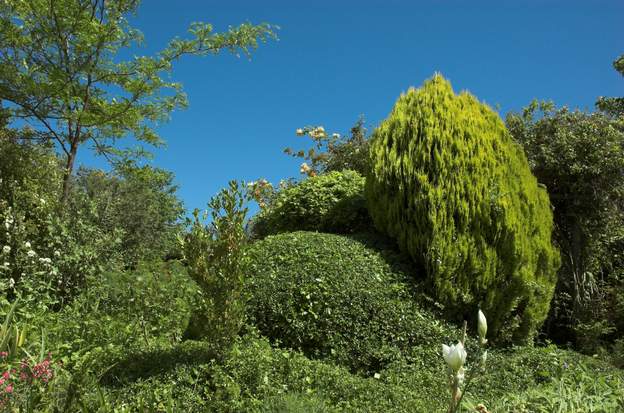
(332, 296)
(332, 202)
(449, 184)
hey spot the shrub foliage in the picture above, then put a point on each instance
(450, 185)
(212, 252)
(332, 202)
(333, 297)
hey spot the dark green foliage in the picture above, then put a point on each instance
(138, 202)
(333, 297)
(450, 185)
(580, 158)
(332, 202)
(213, 253)
(613, 106)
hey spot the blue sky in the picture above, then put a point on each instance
(337, 60)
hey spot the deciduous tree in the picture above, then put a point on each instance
(60, 72)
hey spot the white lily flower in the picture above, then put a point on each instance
(455, 356)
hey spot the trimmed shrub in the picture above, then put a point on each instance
(450, 185)
(332, 202)
(333, 297)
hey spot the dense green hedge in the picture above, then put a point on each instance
(450, 185)
(333, 297)
(332, 202)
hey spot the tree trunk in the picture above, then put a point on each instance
(69, 168)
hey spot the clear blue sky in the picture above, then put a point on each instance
(338, 59)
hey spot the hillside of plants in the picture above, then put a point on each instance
(443, 260)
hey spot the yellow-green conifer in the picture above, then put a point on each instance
(450, 185)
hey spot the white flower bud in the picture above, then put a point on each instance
(6, 249)
(482, 326)
(455, 356)
(27, 244)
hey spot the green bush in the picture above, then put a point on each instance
(332, 202)
(213, 252)
(333, 297)
(450, 185)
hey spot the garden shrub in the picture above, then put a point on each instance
(213, 252)
(333, 297)
(332, 202)
(450, 185)
(45, 255)
(333, 152)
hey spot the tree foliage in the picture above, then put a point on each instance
(450, 185)
(139, 202)
(580, 158)
(613, 106)
(60, 72)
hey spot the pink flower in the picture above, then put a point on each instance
(9, 388)
(6, 375)
(3, 354)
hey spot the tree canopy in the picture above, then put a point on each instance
(60, 72)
